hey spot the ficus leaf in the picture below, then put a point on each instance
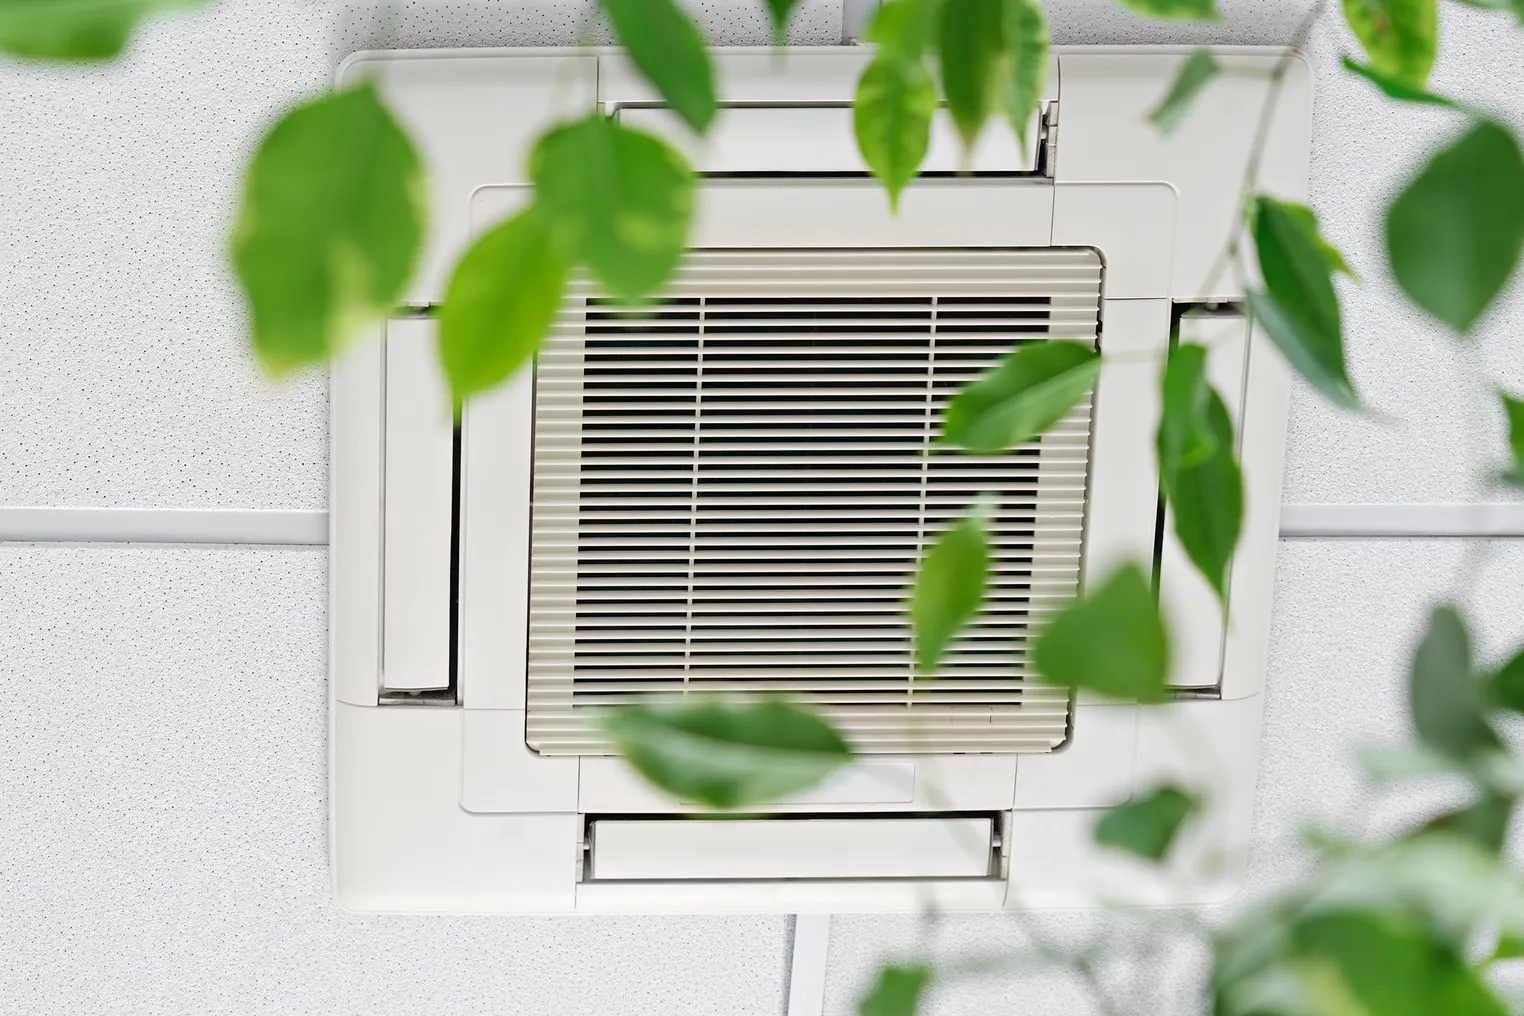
(1202, 481)
(1175, 10)
(1485, 821)
(1026, 35)
(502, 298)
(615, 199)
(1514, 409)
(667, 47)
(1029, 391)
(971, 38)
(727, 753)
(1111, 641)
(1299, 309)
(1196, 72)
(896, 991)
(75, 29)
(329, 228)
(1395, 89)
(1505, 687)
(1454, 234)
(949, 588)
(1147, 826)
(1444, 697)
(902, 28)
(1400, 37)
(892, 119)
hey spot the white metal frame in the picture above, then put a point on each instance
(441, 808)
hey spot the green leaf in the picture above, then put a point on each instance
(1444, 697)
(1395, 89)
(1299, 310)
(1147, 826)
(901, 29)
(667, 47)
(1400, 37)
(1491, 771)
(1029, 391)
(1454, 234)
(1505, 688)
(1202, 481)
(1485, 821)
(501, 301)
(1514, 409)
(1195, 73)
(949, 588)
(971, 36)
(779, 11)
(75, 29)
(1026, 36)
(1111, 641)
(1509, 947)
(1175, 10)
(896, 992)
(330, 226)
(892, 119)
(617, 200)
(727, 753)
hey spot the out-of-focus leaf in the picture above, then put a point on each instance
(1299, 310)
(1395, 89)
(892, 120)
(329, 228)
(1026, 36)
(1509, 947)
(617, 200)
(1029, 391)
(896, 992)
(1453, 236)
(1493, 771)
(902, 29)
(1400, 37)
(1196, 71)
(971, 37)
(1458, 883)
(1202, 481)
(727, 753)
(779, 11)
(1505, 688)
(949, 589)
(502, 298)
(1444, 696)
(667, 47)
(1175, 10)
(75, 29)
(1111, 641)
(1148, 825)
(1485, 821)
(1514, 409)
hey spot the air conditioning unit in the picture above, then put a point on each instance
(729, 492)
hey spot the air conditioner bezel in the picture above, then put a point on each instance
(440, 807)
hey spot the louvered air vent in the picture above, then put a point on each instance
(731, 490)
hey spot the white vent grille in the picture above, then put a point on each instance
(731, 490)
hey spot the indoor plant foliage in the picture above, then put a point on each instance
(329, 233)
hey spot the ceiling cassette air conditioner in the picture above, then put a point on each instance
(729, 491)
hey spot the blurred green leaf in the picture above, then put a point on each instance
(1400, 37)
(617, 200)
(1196, 71)
(1453, 236)
(75, 29)
(1299, 310)
(1395, 89)
(1514, 409)
(1147, 826)
(667, 47)
(329, 228)
(501, 301)
(1444, 696)
(1505, 688)
(727, 753)
(1484, 822)
(779, 11)
(1491, 771)
(971, 37)
(949, 589)
(1111, 641)
(1509, 947)
(1029, 391)
(1202, 481)
(892, 119)
(902, 28)
(1175, 10)
(896, 992)
(1026, 72)
(1456, 883)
